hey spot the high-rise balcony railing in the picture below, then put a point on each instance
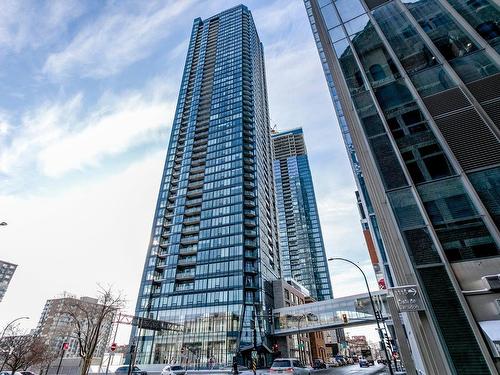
(193, 202)
(191, 229)
(188, 250)
(250, 213)
(189, 240)
(191, 220)
(192, 211)
(185, 275)
(194, 192)
(187, 261)
(251, 243)
(250, 223)
(250, 233)
(249, 203)
(195, 184)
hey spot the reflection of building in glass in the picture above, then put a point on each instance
(303, 255)
(6, 272)
(415, 83)
(214, 245)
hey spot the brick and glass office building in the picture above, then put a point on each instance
(416, 87)
(214, 247)
(303, 255)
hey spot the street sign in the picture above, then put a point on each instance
(113, 346)
(65, 346)
(155, 325)
(408, 298)
(254, 354)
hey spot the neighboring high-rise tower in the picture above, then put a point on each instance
(6, 272)
(416, 88)
(214, 244)
(301, 242)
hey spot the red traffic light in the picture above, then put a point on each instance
(113, 346)
(65, 345)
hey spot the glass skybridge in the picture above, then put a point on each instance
(319, 316)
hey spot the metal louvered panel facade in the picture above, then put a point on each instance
(446, 101)
(472, 142)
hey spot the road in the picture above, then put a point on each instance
(353, 370)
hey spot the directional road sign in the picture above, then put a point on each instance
(408, 298)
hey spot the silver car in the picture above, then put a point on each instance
(173, 370)
(289, 365)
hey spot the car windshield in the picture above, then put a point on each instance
(281, 363)
(176, 368)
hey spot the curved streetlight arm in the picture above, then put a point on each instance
(8, 325)
(371, 302)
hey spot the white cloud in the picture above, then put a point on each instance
(129, 121)
(95, 232)
(117, 38)
(60, 137)
(28, 23)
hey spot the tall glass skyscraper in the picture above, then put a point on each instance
(303, 255)
(416, 85)
(214, 245)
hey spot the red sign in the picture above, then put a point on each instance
(65, 345)
(113, 346)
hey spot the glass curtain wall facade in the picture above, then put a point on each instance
(214, 249)
(303, 255)
(419, 79)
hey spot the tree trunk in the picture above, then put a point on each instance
(85, 366)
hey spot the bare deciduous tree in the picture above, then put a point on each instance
(21, 351)
(89, 320)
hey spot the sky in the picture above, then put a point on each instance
(88, 94)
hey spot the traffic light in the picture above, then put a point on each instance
(275, 348)
(345, 319)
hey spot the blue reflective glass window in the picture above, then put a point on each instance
(431, 81)
(330, 16)
(357, 24)
(487, 185)
(371, 53)
(336, 34)
(322, 3)
(483, 16)
(348, 9)
(451, 40)
(349, 66)
(403, 38)
(458, 225)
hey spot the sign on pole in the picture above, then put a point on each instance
(113, 346)
(408, 298)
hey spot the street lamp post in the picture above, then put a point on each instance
(5, 329)
(373, 307)
(299, 319)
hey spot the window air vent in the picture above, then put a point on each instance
(492, 282)
(446, 101)
(486, 88)
(470, 139)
